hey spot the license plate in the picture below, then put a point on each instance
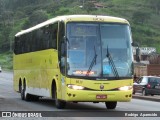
(101, 96)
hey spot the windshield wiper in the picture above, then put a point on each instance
(114, 69)
(92, 63)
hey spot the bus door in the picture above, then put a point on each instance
(62, 46)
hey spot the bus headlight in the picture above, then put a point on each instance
(125, 88)
(75, 87)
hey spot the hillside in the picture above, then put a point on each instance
(143, 15)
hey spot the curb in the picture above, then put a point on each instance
(149, 98)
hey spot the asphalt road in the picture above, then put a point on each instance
(11, 101)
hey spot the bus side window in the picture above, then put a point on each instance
(16, 45)
(24, 42)
(20, 45)
(52, 36)
(34, 39)
(45, 38)
(29, 42)
(40, 38)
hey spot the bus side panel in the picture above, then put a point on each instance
(38, 69)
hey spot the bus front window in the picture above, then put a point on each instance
(83, 44)
(116, 40)
(88, 44)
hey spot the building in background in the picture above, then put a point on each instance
(149, 64)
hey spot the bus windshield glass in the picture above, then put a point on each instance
(89, 44)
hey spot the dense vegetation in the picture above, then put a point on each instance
(16, 15)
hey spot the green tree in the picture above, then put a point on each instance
(5, 41)
(36, 18)
(7, 18)
(141, 16)
(155, 4)
(89, 6)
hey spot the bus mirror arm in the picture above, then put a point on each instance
(63, 49)
(135, 44)
(65, 39)
(138, 58)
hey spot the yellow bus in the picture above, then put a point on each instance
(75, 58)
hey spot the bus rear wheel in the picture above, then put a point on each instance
(22, 93)
(26, 96)
(111, 105)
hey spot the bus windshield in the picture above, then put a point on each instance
(89, 44)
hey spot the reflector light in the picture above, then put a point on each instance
(148, 86)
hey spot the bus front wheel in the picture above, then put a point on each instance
(111, 105)
(58, 103)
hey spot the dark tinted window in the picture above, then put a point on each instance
(40, 39)
(153, 80)
(17, 44)
(157, 80)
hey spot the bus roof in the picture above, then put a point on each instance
(69, 18)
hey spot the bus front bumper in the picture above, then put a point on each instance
(98, 96)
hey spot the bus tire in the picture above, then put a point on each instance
(58, 103)
(22, 94)
(21, 90)
(26, 96)
(29, 97)
(20, 86)
(111, 105)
